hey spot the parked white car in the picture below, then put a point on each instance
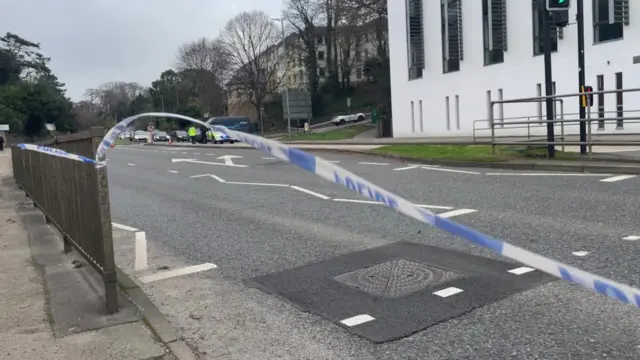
(343, 119)
(140, 136)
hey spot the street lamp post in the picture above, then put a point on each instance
(286, 88)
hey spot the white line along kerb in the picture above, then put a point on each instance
(141, 251)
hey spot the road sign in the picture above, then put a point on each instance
(150, 127)
(348, 102)
(558, 5)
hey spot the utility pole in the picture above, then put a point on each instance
(548, 81)
(581, 76)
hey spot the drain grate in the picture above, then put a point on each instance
(396, 278)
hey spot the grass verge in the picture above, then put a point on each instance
(477, 153)
(337, 134)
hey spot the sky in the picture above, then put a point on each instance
(91, 42)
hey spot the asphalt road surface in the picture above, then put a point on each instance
(241, 250)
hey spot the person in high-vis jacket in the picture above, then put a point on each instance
(192, 134)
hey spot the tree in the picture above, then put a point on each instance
(258, 62)
(302, 16)
(206, 64)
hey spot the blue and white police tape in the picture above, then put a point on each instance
(56, 152)
(340, 176)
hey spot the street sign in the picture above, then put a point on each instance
(150, 127)
(558, 5)
(348, 102)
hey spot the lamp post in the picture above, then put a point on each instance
(286, 88)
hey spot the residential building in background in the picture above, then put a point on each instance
(449, 57)
(354, 46)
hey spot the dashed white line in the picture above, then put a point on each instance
(372, 163)
(141, 251)
(172, 171)
(255, 183)
(130, 164)
(177, 272)
(521, 270)
(450, 170)
(196, 153)
(547, 174)
(580, 253)
(618, 178)
(313, 193)
(631, 238)
(357, 320)
(358, 201)
(458, 212)
(210, 154)
(269, 158)
(448, 292)
(407, 168)
(123, 227)
(333, 161)
(209, 175)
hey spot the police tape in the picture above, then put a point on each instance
(56, 152)
(340, 176)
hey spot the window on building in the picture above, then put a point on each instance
(447, 112)
(494, 26)
(538, 11)
(609, 18)
(619, 98)
(451, 20)
(358, 56)
(321, 72)
(320, 55)
(320, 40)
(359, 73)
(415, 38)
(600, 87)
(413, 118)
(366, 54)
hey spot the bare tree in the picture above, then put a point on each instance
(258, 61)
(348, 40)
(302, 16)
(208, 61)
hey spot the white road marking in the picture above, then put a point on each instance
(177, 272)
(456, 213)
(194, 161)
(228, 159)
(618, 150)
(407, 168)
(631, 238)
(580, 253)
(123, 227)
(269, 158)
(618, 178)
(436, 207)
(357, 320)
(333, 161)
(313, 193)
(141, 251)
(372, 163)
(358, 201)
(209, 175)
(450, 170)
(130, 164)
(448, 292)
(196, 153)
(255, 183)
(521, 270)
(547, 174)
(211, 154)
(172, 171)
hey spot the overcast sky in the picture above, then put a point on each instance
(91, 42)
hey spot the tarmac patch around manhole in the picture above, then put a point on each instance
(399, 288)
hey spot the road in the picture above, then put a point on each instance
(242, 300)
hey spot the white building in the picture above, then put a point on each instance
(433, 97)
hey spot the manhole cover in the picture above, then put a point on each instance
(396, 278)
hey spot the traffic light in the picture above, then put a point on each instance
(558, 5)
(587, 100)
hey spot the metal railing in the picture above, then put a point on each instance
(562, 121)
(74, 197)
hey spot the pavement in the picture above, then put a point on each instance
(52, 304)
(252, 258)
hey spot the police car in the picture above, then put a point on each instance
(219, 138)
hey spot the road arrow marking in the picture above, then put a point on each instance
(209, 175)
(227, 159)
(194, 161)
